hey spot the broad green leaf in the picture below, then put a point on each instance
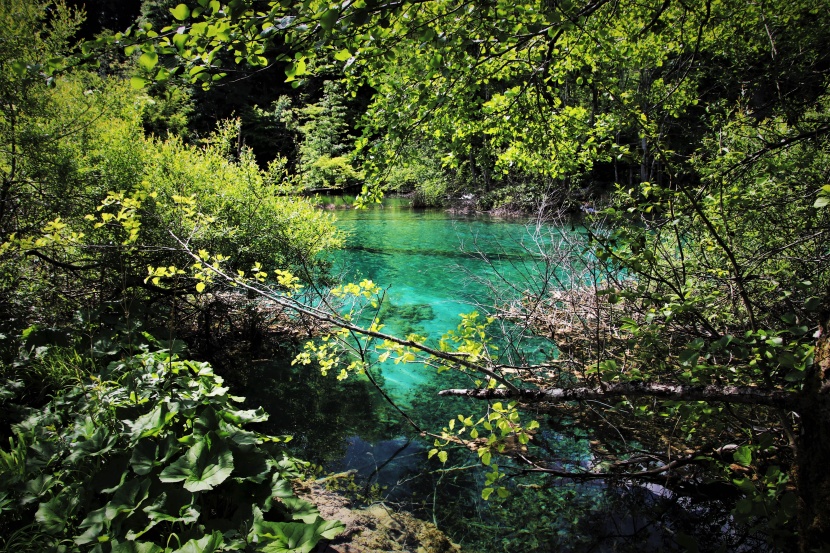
(688, 543)
(245, 416)
(301, 509)
(485, 493)
(207, 544)
(251, 465)
(200, 468)
(295, 537)
(53, 515)
(18, 67)
(822, 201)
(138, 82)
(180, 12)
(175, 505)
(743, 456)
(342, 55)
(148, 60)
(689, 357)
(149, 454)
(35, 488)
(152, 423)
(128, 497)
(101, 441)
(281, 488)
(180, 40)
(442, 456)
(328, 19)
(94, 523)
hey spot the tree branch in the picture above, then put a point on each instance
(334, 319)
(61, 264)
(730, 394)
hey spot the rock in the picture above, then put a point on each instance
(375, 529)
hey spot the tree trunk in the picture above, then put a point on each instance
(813, 474)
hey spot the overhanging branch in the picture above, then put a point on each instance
(730, 394)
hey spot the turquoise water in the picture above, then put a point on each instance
(433, 267)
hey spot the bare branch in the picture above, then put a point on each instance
(730, 394)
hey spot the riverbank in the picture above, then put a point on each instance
(377, 528)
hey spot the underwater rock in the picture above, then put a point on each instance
(375, 529)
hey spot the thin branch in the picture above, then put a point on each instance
(731, 394)
(336, 320)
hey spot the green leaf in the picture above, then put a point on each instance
(148, 60)
(200, 468)
(485, 493)
(180, 12)
(281, 487)
(174, 505)
(33, 489)
(294, 537)
(53, 515)
(328, 19)
(301, 509)
(822, 201)
(149, 454)
(152, 423)
(128, 497)
(180, 40)
(442, 456)
(138, 82)
(94, 523)
(342, 55)
(207, 544)
(101, 441)
(687, 542)
(18, 67)
(743, 456)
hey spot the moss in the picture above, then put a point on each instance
(378, 528)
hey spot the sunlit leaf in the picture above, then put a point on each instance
(148, 60)
(180, 12)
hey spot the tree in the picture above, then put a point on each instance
(710, 117)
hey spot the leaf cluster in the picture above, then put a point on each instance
(154, 455)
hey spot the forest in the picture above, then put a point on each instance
(161, 171)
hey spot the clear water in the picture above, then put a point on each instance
(433, 267)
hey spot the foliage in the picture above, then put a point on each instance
(323, 161)
(92, 200)
(418, 169)
(701, 317)
(153, 455)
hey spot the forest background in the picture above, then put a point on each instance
(154, 197)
